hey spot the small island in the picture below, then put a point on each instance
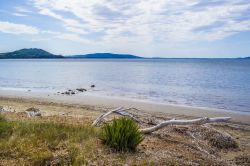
(29, 53)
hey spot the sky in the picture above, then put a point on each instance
(149, 28)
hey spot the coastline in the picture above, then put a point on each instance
(112, 102)
(66, 113)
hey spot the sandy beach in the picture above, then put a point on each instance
(113, 102)
(171, 145)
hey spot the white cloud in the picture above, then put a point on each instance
(21, 9)
(12, 28)
(71, 25)
(151, 20)
(19, 14)
(48, 12)
(72, 37)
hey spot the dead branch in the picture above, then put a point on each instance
(101, 117)
(123, 112)
(196, 142)
(184, 122)
(120, 111)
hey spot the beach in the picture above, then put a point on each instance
(114, 102)
(170, 145)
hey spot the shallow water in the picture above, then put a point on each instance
(215, 83)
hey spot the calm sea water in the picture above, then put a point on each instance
(223, 84)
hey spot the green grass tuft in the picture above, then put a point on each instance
(122, 134)
(5, 127)
(40, 143)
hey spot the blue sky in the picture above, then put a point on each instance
(162, 28)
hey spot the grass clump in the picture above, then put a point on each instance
(122, 134)
(5, 127)
(44, 143)
(51, 133)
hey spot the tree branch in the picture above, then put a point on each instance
(123, 112)
(184, 122)
(101, 117)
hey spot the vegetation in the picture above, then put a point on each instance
(122, 134)
(51, 141)
(44, 143)
(28, 53)
(60, 140)
(5, 128)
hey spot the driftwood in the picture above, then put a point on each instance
(184, 122)
(120, 111)
(196, 142)
(123, 112)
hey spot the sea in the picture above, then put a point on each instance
(212, 83)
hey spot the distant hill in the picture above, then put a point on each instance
(244, 57)
(106, 56)
(28, 53)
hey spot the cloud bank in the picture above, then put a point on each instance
(12, 28)
(140, 26)
(151, 20)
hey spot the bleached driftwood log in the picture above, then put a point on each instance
(123, 112)
(184, 122)
(101, 117)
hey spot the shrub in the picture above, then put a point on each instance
(122, 134)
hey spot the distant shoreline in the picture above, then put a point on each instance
(141, 58)
(35, 53)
